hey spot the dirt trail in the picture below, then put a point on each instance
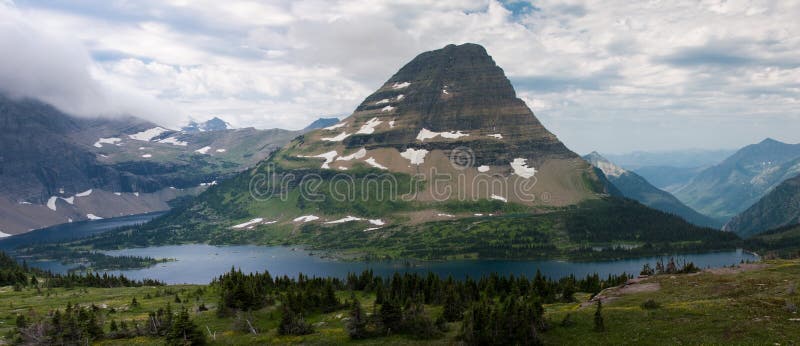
(610, 294)
(744, 267)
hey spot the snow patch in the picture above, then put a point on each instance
(444, 91)
(478, 214)
(377, 222)
(499, 198)
(354, 156)
(371, 161)
(203, 150)
(348, 218)
(497, 135)
(212, 183)
(400, 85)
(136, 194)
(521, 168)
(221, 150)
(248, 223)
(329, 156)
(147, 156)
(369, 127)
(445, 215)
(371, 229)
(4, 234)
(51, 203)
(416, 156)
(306, 218)
(428, 134)
(334, 127)
(101, 141)
(70, 200)
(118, 193)
(400, 97)
(391, 124)
(84, 193)
(483, 169)
(337, 138)
(384, 101)
(93, 217)
(342, 168)
(148, 135)
(173, 141)
(387, 109)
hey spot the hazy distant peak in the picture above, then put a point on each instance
(608, 167)
(213, 124)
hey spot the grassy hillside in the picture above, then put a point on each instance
(781, 242)
(601, 229)
(755, 304)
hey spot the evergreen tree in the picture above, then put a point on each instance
(599, 326)
(292, 323)
(184, 331)
(357, 325)
(390, 314)
(452, 310)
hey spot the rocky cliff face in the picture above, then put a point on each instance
(454, 102)
(445, 137)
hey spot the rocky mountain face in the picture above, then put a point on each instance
(780, 207)
(633, 186)
(55, 168)
(726, 189)
(445, 131)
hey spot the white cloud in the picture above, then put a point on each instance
(56, 69)
(603, 75)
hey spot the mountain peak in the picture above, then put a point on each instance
(770, 141)
(608, 167)
(213, 124)
(320, 123)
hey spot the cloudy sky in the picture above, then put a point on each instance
(603, 75)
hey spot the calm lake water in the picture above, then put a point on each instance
(74, 230)
(199, 263)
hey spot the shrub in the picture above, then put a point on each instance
(650, 304)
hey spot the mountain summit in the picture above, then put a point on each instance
(450, 104)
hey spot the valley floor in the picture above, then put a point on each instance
(751, 304)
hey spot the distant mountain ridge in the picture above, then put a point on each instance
(780, 207)
(321, 123)
(730, 187)
(56, 168)
(213, 124)
(633, 186)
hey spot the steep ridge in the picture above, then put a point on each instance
(724, 190)
(633, 186)
(780, 207)
(452, 103)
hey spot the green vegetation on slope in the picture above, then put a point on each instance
(600, 229)
(755, 304)
(782, 242)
